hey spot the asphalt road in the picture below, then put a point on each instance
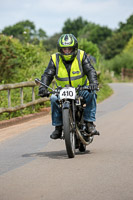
(34, 167)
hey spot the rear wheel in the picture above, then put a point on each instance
(68, 133)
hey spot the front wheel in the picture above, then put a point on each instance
(68, 132)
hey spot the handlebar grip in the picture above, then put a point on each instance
(90, 89)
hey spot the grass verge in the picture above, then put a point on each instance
(104, 92)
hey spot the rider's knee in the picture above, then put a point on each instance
(53, 98)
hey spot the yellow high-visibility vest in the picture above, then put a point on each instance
(77, 77)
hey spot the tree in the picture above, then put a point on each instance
(51, 42)
(24, 31)
(115, 44)
(129, 46)
(85, 31)
(95, 33)
(90, 48)
(128, 26)
(99, 34)
(19, 29)
(41, 34)
(74, 26)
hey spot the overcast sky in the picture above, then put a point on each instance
(50, 15)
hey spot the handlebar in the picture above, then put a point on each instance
(57, 90)
(38, 82)
(86, 87)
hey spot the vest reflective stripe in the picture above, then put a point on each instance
(76, 73)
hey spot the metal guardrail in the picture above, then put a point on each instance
(21, 85)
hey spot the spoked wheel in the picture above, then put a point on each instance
(68, 132)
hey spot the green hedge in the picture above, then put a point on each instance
(21, 62)
(123, 60)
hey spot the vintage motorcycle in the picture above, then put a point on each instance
(74, 128)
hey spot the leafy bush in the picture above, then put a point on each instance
(124, 60)
(114, 45)
(129, 46)
(89, 48)
(20, 62)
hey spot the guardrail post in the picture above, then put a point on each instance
(9, 101)
(21, 95)
(9, 98)
(122, 74)
(33, 97)
(33, 94)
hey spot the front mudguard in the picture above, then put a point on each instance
(66, 105)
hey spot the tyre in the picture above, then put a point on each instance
(69, 135)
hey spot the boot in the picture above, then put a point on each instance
(56, 133)
(91, 130)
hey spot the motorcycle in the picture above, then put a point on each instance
(74, 128)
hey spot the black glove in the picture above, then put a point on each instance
(93, 86)
(43, 92)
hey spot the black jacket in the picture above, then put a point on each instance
(88, 70)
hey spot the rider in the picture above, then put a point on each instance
(70, 65)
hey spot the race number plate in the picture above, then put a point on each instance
(67, 93)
